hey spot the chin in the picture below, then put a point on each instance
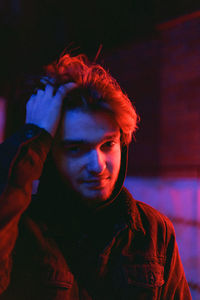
(95, 197)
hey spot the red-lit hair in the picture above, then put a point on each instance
(95, 87)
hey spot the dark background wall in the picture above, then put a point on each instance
(162, 76)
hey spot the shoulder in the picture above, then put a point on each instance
(147, 219)
(151, 214)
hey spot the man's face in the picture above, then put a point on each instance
(88, 154)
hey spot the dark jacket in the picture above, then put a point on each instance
(48, 250)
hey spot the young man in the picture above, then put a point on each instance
(82, 236)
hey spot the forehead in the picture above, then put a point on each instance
(89, 126)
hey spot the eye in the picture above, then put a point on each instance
(73, 150)
(108, 145)
(76, 150)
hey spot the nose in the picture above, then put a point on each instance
(96, 162)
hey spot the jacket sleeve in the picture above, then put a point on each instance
(176, 286)
(21, 160)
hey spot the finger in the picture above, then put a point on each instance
(66, 88)
(40, 93)
(47, 80)
(31, 99)
(49, 90)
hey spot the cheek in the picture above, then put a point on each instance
(115, 161)
(69, 168)
(62, 163)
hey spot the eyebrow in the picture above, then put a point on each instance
(69, 142)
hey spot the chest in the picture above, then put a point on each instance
(45, 268)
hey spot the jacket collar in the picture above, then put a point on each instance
(134, 217)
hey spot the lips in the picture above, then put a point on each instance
(96, 183)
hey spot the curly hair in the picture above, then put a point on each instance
(96, 89)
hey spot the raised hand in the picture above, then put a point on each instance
(44, 108)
